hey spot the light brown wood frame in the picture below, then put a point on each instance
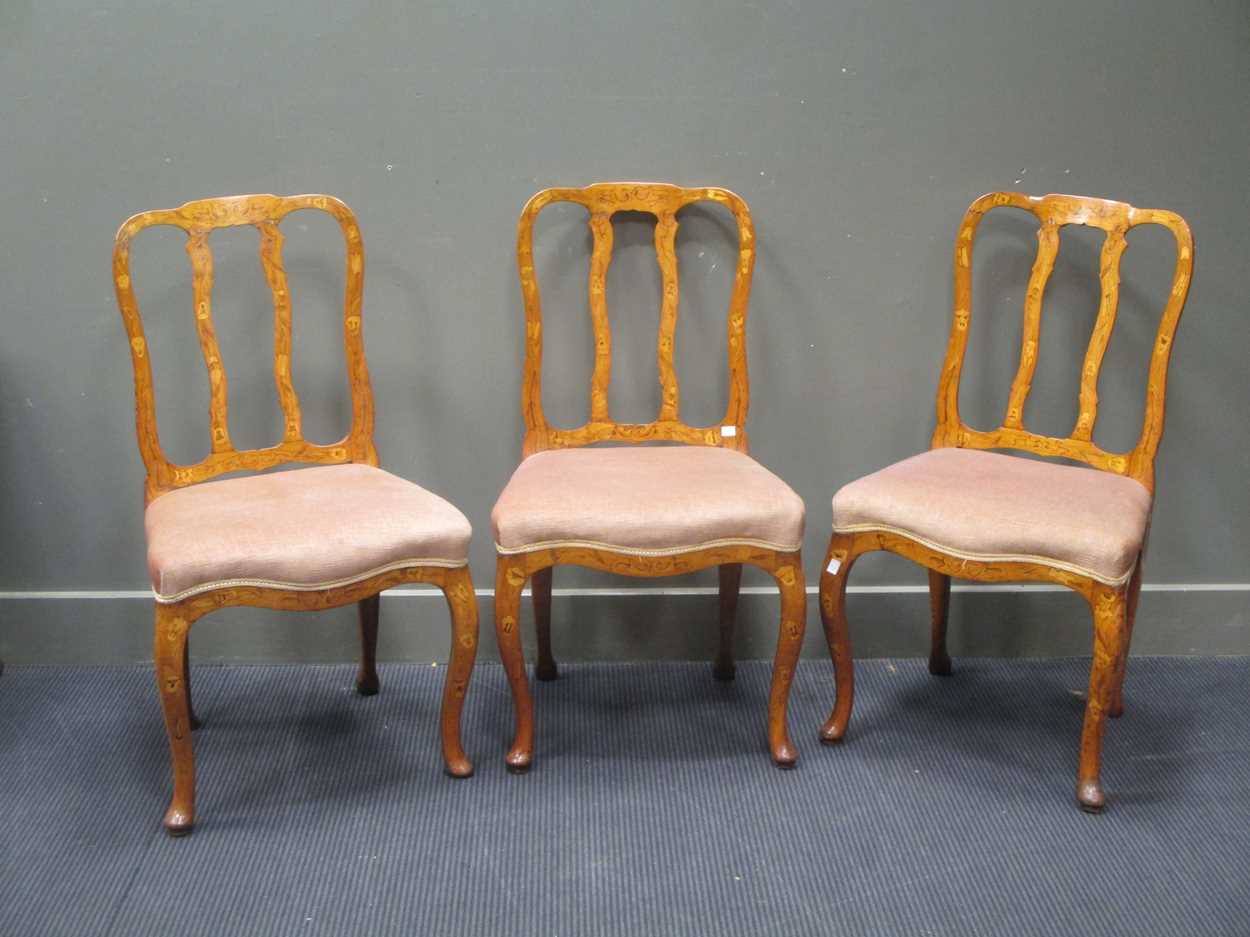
(602, 201)
(1113, 606)
(173, 620)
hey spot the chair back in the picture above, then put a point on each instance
(1053, 212)
(602, 201)
(199, 219)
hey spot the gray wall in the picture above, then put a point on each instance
(858, 133)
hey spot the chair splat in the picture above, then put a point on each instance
(271, 259)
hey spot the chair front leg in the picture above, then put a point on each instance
(1109, 606)
(838, 562)
(939, 612)
(789, 576)
(510, 577)
(462, 601)
(730, 579)
(169, 652)
(1130, 616)
(367, 676)
(540, 594)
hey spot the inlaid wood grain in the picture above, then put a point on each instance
(173, 620)
(199, 219)
(513, 570)
(1054, 212)
(173, 625)
(1113, 607)
(602, 201)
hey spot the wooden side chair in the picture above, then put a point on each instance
(962, 511)
(311, 538)
(650, 511)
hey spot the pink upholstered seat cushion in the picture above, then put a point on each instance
(645, 500)
(992, 507)
(300, 529)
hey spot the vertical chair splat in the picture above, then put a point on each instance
(1109, 281)
(202, 285)
(1047, 249)
(736, 324)
(271, 259)
(666, 257)
(600, 260)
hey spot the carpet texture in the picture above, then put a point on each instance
(652, 807)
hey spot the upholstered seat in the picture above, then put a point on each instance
(990, 507)
(311, 528)
(650, 500)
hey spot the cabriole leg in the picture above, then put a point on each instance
(838, 563)
(169, 652)
(1109, 606)
(510, 577)
(730, 579)
(461, 600)
(789, 576)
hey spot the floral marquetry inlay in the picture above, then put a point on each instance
(602, 201)
(199, 219)
(1054, 212)
(1112, 605)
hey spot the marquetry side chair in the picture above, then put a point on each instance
(311, 538)
(642, 510)
(966, 512)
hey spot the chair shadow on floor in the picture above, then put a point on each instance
(286, 739)
(1018, 725)
(654, 713)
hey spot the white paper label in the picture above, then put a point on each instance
(833, 567)
(729, 431)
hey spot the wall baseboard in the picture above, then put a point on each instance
(113, 627)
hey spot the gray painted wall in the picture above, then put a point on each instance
(858, 133)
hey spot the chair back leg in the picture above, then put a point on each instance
(939, 611)
(367, 676)
(1130, 615)
(540, 595)
(730, 575)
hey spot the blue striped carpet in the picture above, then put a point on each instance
(652, 808)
